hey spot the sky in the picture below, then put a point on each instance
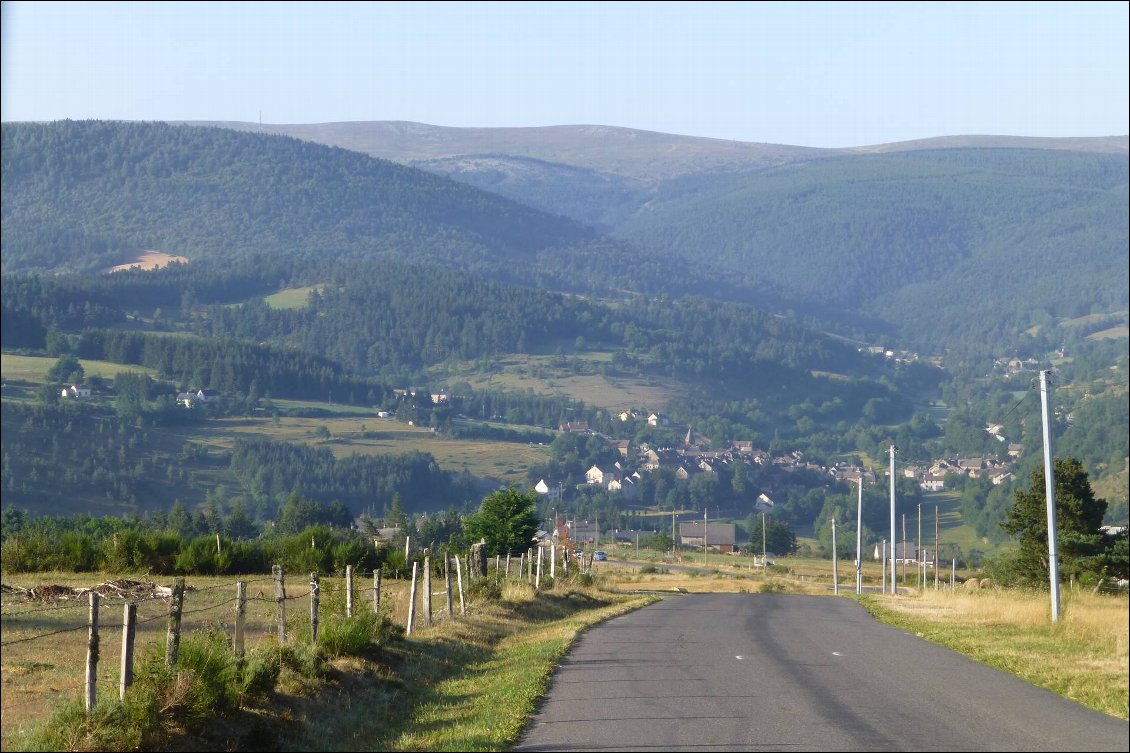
(806, 73)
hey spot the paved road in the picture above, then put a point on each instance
(730, 672)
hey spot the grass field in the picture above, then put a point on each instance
(292, 298)
(546, 376)
(349, 435)
(35, 368)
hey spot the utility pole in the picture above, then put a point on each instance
(859, 539)
(904, 547)
(704, 534)
(884, 561)
(1049, 486)
(918, 556)
(764, 550)
(835, 562)
(937, 548)
(894, 588)
(674, 546)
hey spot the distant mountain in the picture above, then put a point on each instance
(640, 155)
(945, 241)
(952, 247)
(84, 195)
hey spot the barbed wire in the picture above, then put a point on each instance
(206, 609)
(52, 608)
(44, 635)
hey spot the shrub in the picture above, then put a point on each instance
(585, 580)
(213, 685)
(648, 570)
(260, 671)
(489, 587)
(350, 636)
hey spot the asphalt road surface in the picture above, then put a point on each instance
(735, 672)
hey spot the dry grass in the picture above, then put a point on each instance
(543, 375)
(36, 674)
(483, 457)
(1083, 656)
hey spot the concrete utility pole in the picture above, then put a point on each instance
(704, 535)
(884, 561)
(904, 547)
(835, 562)
(859, 539)
(918, 556)
(894, 588)
(674, 546)
(937, 548)
(764, 549)
(1049, 486)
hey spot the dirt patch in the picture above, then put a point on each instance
(150, 260)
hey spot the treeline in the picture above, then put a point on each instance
(268, 470)
(233, 367)
(78, 456)
(399, 318)
(73, 457)
(109, 544)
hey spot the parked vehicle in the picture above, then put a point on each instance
(599, 556)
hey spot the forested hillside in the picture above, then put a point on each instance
(951, 248)
(85, 195)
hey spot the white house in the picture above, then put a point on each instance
(549, 492)
(77, 391)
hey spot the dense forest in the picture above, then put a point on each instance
(958, 248)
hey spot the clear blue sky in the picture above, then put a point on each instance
(812, 74)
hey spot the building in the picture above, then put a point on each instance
(720, 536)
(582, 532)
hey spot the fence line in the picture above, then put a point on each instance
(263, 625)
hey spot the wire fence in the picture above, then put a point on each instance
(42, 659)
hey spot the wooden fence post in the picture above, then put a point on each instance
(507, 573)
(497, 562)
(530, 567)
(377, 590)
(349, 590)
(447, 583)
(552, 560)
(537, 578)
(280, 603)
(427, 590)
(129, 630)
(240, 616)
(172, 639)
(315, 594)
(565, 560)
(412, 601)
(92, 653)
(459, 575)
